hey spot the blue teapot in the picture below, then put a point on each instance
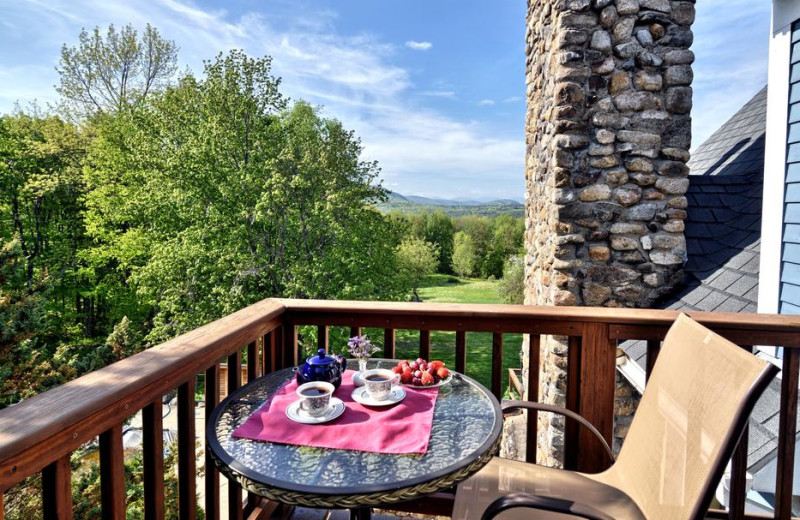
(322, 368)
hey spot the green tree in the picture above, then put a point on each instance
(439, 230)
(416, 259)
(507, 235)
(463, 254)
(215, 195)
(511, 287)
(479, 229)
(115, 71)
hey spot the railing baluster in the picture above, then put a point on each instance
(497, 364)
(461, 351)
(153, 455)
(290, 346)
(389, 344)
(322, 337)
(598, 382)
(653, 348)
(278, 350)
(572, 403)
(2, 506)
(532, 385)
(112, 474)
(252, 374)
(355, 331)
(425, 344)
(786, 434)
(187, 456)
(56, 490)
(252, 361)
(269, 353)
(736, 498)
(234, 489)
(212, 473)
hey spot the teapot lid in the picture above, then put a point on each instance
(321, 358)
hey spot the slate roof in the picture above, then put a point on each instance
(723, 239)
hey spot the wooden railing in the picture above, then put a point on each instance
(38, 435)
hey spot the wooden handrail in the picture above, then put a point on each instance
(623, 323)
(50, 425)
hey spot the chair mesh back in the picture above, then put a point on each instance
(682, 426)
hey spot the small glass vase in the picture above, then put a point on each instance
(358, 380)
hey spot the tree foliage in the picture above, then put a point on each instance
(463, 254)
(512, 286)
(108, 73)
(416, 259)
(216, 195)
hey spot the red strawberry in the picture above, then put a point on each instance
(414, 365)
(406, 377)
(416, 381)
(427, 379)
(398, 369)
(436, 364)
(443, 373)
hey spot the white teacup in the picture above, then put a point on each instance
(315, 397)
(379, 382)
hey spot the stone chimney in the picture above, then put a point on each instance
(608, 136)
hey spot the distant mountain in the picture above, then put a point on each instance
(452, 207)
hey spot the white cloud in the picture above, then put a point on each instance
(418, 46)
(513, 99)
(731, 39)
(486, 102)
(353, 76)
(439, 93)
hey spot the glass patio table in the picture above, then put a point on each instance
(465, 434)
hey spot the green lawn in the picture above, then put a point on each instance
(449, 289)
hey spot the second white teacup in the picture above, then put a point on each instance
(315, 397)
(379, 382)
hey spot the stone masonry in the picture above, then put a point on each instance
(608, 133)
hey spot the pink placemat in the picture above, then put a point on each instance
(404, 428)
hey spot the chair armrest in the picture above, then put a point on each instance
(531, 405)
(556, 505)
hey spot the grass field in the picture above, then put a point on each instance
(448, 289)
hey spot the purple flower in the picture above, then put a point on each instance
(361, 347)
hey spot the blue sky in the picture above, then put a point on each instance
(434, 88)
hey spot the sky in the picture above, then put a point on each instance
(435, 89)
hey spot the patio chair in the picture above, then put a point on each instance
(690, 418)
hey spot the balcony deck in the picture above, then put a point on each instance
(38, 435)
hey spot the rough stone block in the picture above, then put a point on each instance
(627, 50)
(644, 37)
(606, 161)
(679, 57)
(678, 75)
(627, 228)
(650, 81)
(622, 243)
(644, 211)
(628, 196)
(594, 193)
(623, 29)
(632, 136)
(679, 100)
(604, 136)
(595, 293)
(665, 258)
(627, 6)
(609, 17)
(683, 12)
(601, 41)
(620, 81)
(616, 177)
(656, 5)
(643, 179)
(672, 186)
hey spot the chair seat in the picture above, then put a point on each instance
(503, 476)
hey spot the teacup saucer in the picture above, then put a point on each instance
(360, 395)
(335, 409)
